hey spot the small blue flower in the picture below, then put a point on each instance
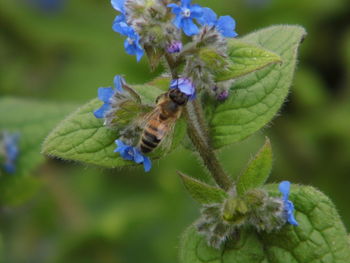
(185, 85)
(184, 15)
(132, 43)
(174, 47)
(105, 94)
(225, 24)
(284, 188)
(10, 144)
(131, 153)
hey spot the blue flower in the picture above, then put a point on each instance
(131, 153)
(184, 15)
(185, 85)
(225, 24)
(174, 47)
(105, 94)
(284, 188)
(132, 43)
(10, 144)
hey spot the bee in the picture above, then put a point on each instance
(159, 122)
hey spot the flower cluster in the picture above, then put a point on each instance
(220, 222)
(9, 151)
(155, 25)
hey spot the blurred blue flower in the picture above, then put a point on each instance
(284, 188)
(48, 6)
(10, 150)
(185, 85)
(105, 94)
(131, 153)
(174, 47)
(184, 15)
(225, 24)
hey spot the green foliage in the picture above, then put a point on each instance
(256, 98)
(258, 170)
(82, 137)
(244, 58)
(15, 190)
(33, 120)
(320, 237)
(201, 192)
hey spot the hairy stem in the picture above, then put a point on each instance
(198, 133)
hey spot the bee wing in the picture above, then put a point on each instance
(129, 107)
(166, 142)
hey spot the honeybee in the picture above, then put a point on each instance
(159, 122)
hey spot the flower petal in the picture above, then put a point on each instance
(147, 164)
(177, 21)
(104, 94)
(138, 157)
(100, 113)
(189, 27)
(290, 213)
(226, 26)
(118, 83)
(175, 8)
(185, 3)
(284, 188)
(208, 17)
(196, 11)
(118, 5)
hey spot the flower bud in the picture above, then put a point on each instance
(174, 47)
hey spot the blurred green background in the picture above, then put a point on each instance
(62, 51)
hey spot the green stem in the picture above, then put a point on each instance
(198, 133)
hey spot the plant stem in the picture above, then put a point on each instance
(198, 132)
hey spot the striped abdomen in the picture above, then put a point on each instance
(152, 135)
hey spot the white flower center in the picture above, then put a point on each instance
(130, 40)
(186, 12)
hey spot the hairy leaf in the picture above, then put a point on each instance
(320, 237)
(82, 137)
(258, 170)
(201, 192)
(244, 58)
(256, 98)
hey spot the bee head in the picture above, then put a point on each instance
(178, 97)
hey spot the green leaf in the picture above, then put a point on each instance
(82, 137)
(33, 120)
(258, 170)
(244, 58)
(201, 192)
(256, 98)
(320, 237)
